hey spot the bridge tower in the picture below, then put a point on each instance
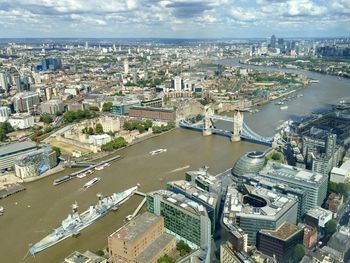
(237, 127)
(207, 123)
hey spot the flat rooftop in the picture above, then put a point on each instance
(196, 192)
(16, 147)
(159, 244)
(319, 212)
(292, 174)
(284, 232)
(136, 227)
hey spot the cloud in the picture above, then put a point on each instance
(172, 18)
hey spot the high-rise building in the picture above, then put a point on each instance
(4, 113)
(126, 66)
(51, 63)
(177, 83)
(52, 106)
(25, 101)
(314, 184)
(183, 217)
(209, 200)
(4, 81)
(273, 41)
(142, 240)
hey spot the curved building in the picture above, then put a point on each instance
(249, 163)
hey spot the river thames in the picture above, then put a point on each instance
(33, 213)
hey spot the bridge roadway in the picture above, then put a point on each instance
(247, 134)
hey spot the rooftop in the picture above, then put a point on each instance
(292, 174)
(136, 227)
(284, 232)
(157, 245)
(86, 257)
(16, 147)
(319, 212)
(196, 192)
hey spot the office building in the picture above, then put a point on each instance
(22, 83)
(177, 83)
(122, 108)
(21, 121)
(10, 152)
(51, 64)
(273, 41)
(4, 81)
(142, 240)
(335, 202)
(4, 113)
(258, 181)
(263, 209)
(209, 200)
(318, 217)
(35, 163)
(204, 180)
(26, 101)
(183, 217)
(52, 107)
(159, 114)
(279, 243)
(341, 174)
(155, 103)
(126, 67)
(314, 184)
(227, 254)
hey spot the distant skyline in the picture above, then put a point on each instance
(174, 18)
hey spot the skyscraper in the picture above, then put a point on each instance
(126, 67)
(3, 81)
(273, 41)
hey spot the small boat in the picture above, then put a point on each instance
(158, 151)
(91, 182)
(81, 175)
(129, 217)
(280, 103)
(102, 166)
(1, 210)
(284, 107)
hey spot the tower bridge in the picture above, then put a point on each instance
(240, 130)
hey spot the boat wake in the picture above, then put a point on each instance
(178, 169)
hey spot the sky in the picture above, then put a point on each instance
(174, 18)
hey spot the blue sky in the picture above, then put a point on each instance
(174, 18)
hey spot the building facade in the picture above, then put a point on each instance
(142, 240)
(10, 152)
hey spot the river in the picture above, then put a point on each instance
(33, 213)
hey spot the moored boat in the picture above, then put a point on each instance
(75, 222)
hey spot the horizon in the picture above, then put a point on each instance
(179, 19)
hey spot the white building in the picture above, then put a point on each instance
(21, 121)
(4, 114)
(126, 66)
(177, 83)
(99, 140)
(341, 174)
(4, 81)
(110, 124)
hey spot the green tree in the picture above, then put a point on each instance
(140, 128)
(94, 108)
(57, 150)
(165, 259)
(46, 118)
(331, 227)
(5, 128)
(99, 128)
(100, 253)
(147, 124)
(199, 117)
(107, 106)
(90, 131)
(298, 252)
(183, 248)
